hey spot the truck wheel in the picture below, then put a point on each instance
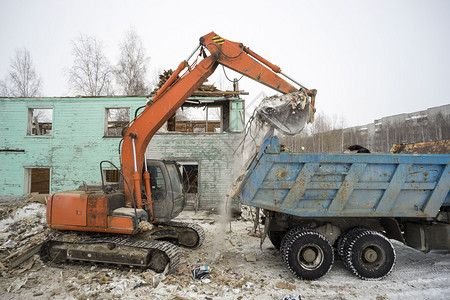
(288, 237)
(370, 255)
(308, 254)
(276, 237)
(347, 236)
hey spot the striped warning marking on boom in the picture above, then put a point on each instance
(218, 40)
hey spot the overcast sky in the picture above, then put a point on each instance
(367, 59)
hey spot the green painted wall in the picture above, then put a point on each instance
(74, 149)
(77, 145)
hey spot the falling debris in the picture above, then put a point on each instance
(288, 113)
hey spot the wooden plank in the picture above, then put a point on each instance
(25, 255)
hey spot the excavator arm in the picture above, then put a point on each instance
(176, 91)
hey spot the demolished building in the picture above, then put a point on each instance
(50, 145)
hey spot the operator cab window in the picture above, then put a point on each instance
(157, 183)
(175, 180)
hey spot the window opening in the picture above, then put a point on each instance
(37, 180)
(116, 120)
(189, 171)
(111, 176)
(40, 121)
(197, 119)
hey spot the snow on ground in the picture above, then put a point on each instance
(229, 254)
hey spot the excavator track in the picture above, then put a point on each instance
(185, 234)
(152, 254)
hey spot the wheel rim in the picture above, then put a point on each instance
(373, 257)
(310, 256)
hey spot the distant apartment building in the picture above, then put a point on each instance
(432, 124)
(427, 125)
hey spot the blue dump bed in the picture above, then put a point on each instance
(346, 185)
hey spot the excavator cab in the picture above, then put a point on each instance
(167, 193)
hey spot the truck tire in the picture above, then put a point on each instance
(344, 239)
(370, 255)
(308, 254)
(288, 237)
(276, 237)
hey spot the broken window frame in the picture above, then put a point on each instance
(191, 185)
(32, 130)
(207, 121)
(237, 116)
(28, 182)
(120, 123)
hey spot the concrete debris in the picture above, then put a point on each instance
(23, 231)
(9, 244)
(286, 286)
(36, 197)
(250, 258)
(17, 284)
(145, 225)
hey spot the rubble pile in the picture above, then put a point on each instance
(237, 268)
(22, 230)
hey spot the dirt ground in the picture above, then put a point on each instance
(239, 269)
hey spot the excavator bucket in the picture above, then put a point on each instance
(288, 113)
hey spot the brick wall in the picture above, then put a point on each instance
(72, 152)
(218, 160)
(77, 145)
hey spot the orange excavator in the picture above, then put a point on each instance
(132, 225)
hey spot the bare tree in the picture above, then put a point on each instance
(22, 79)
(91, 73)
(131, 70)
(3, 89)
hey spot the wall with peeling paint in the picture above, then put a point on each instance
(73, 150)
(77, 145)
(218, 161)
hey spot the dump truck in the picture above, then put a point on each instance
(353, 204)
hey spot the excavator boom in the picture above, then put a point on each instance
(176, 91)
